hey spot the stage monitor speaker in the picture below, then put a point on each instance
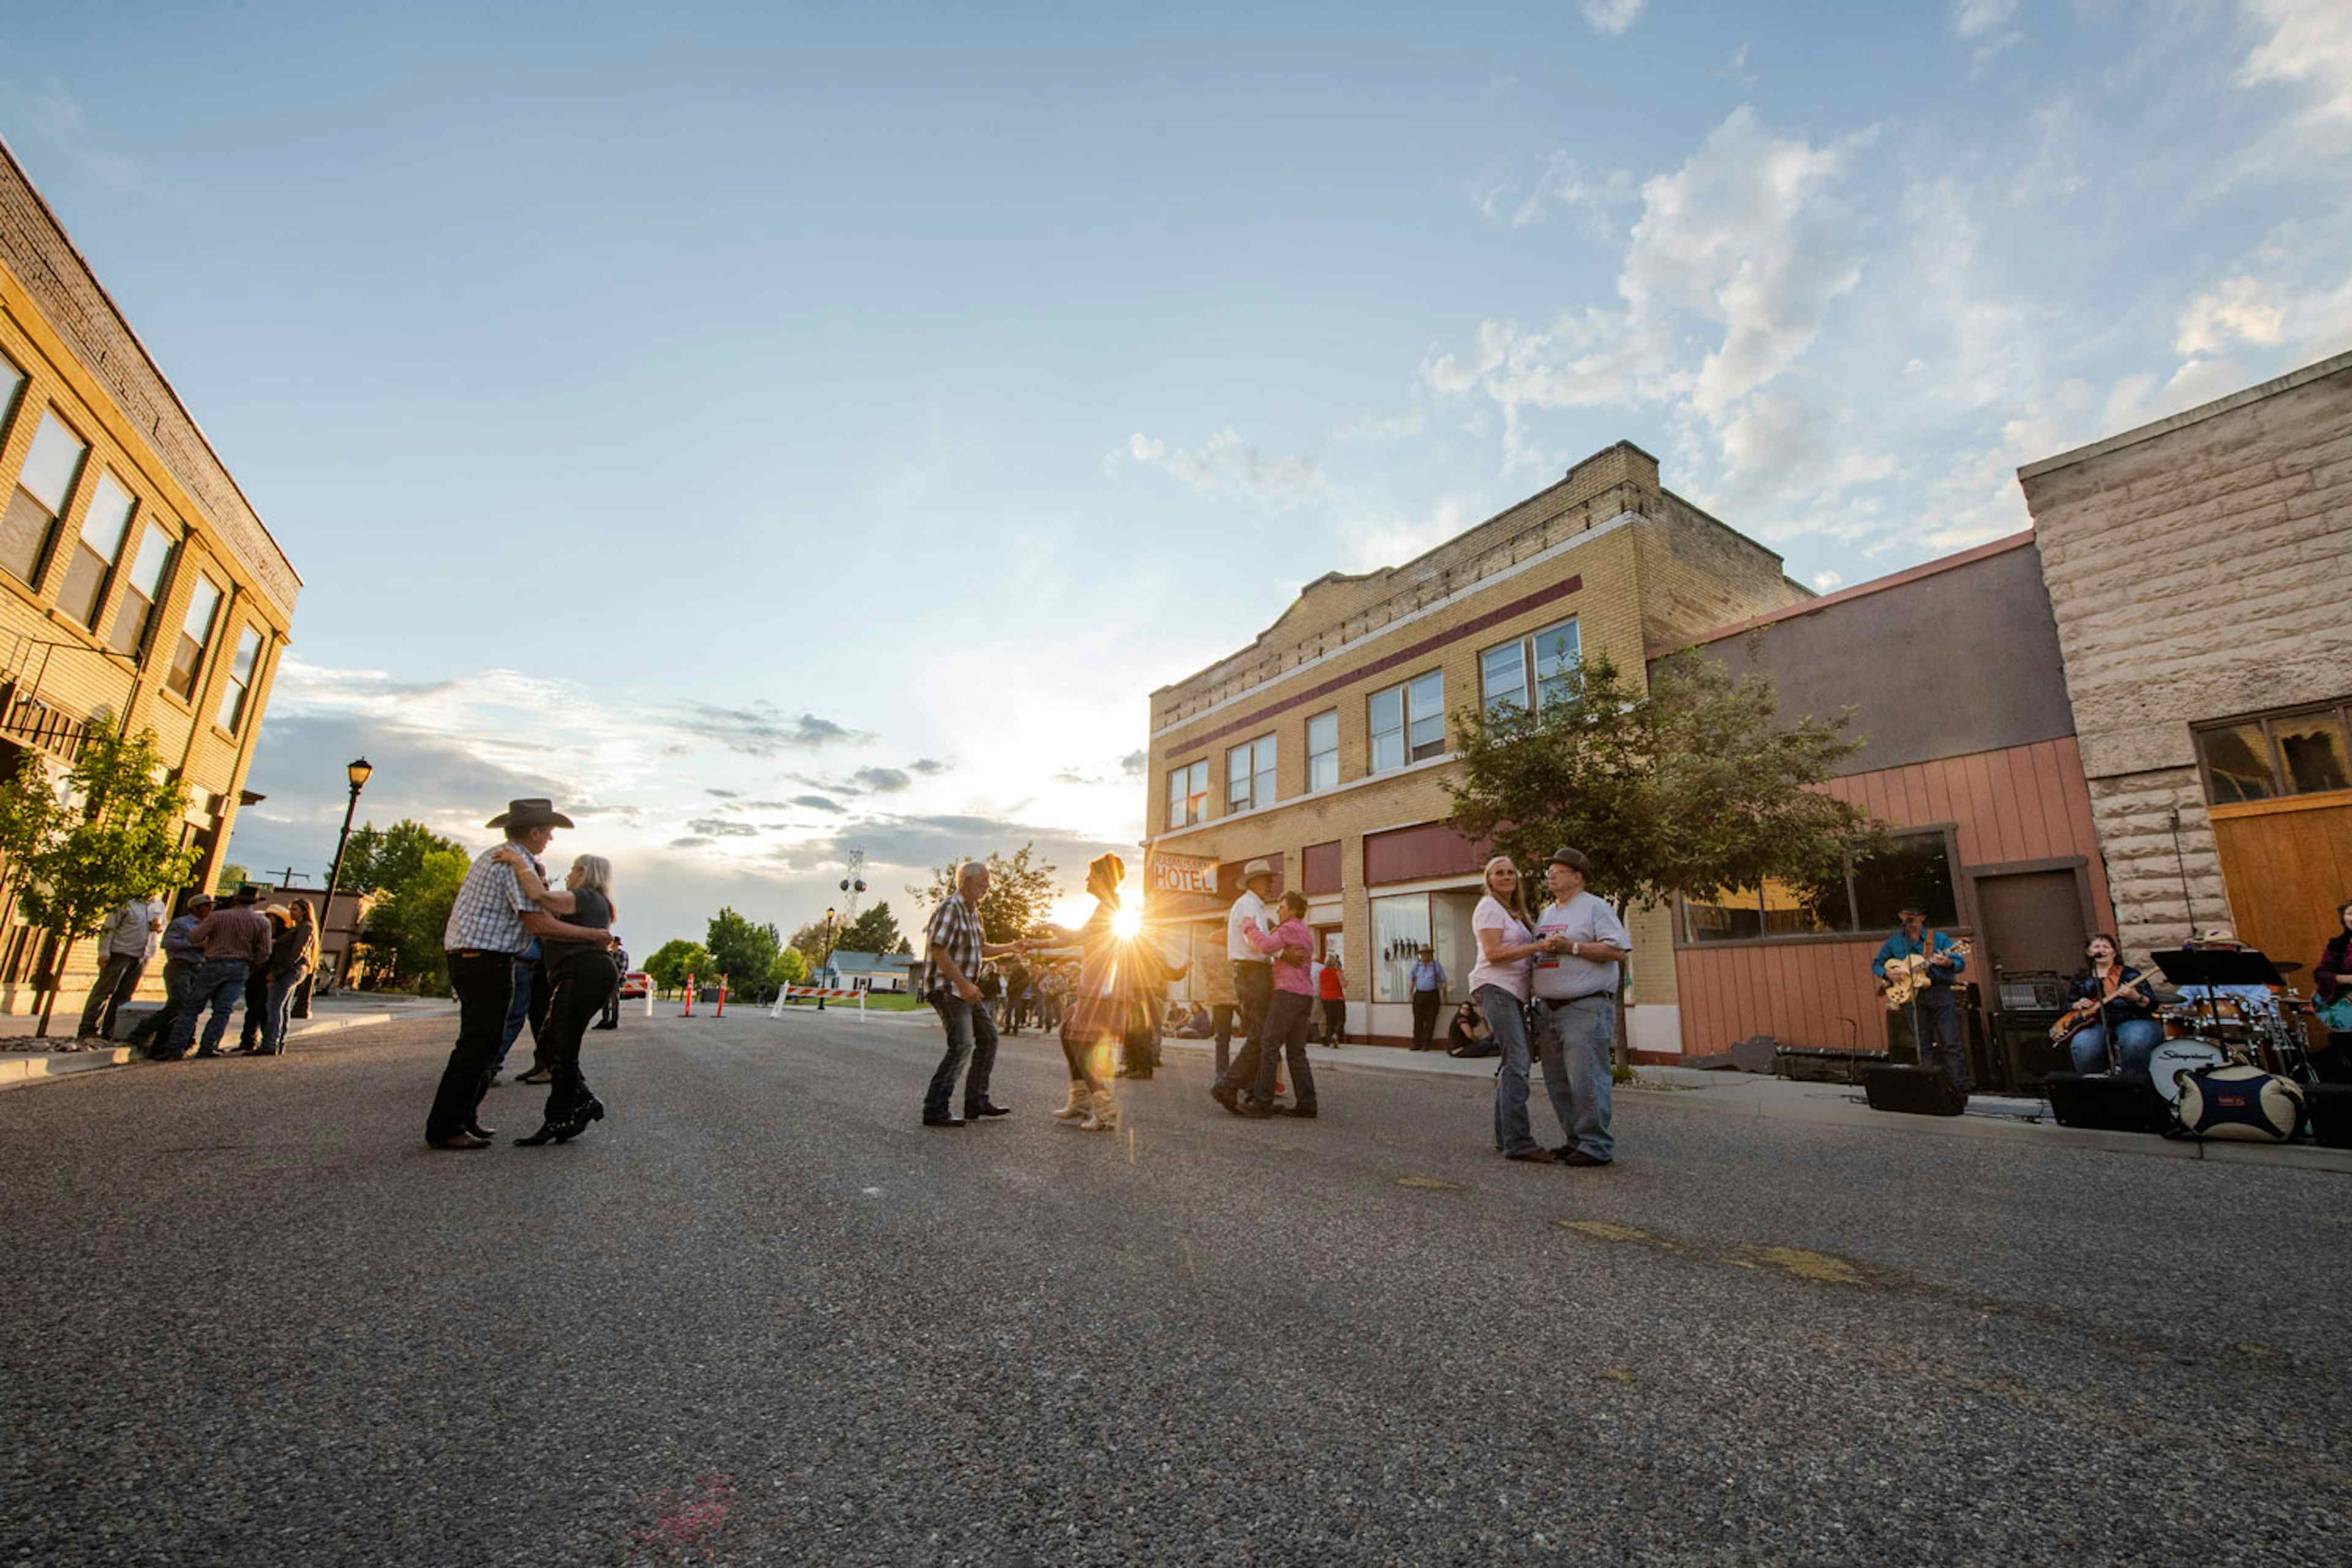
(1921, 1091)
(2125, 1102)
(2331, 1113)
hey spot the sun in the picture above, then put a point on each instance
(1126, 923)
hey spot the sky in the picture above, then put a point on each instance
(771, 430)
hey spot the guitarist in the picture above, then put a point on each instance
(1936, 1006)
(2112, 1006)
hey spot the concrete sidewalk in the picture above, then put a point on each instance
(24, 1061)
(1989, 1117)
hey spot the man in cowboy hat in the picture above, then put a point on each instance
(489, 925)
(1252, 974)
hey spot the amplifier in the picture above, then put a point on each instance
(2330, 1108)
(1921, 1091)
(2125, 1102)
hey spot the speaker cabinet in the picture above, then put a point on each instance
(2124, 1103)
(1920, 1091)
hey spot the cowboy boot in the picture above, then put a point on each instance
(1105, 1115)
(1078, 1103)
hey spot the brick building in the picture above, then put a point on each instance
(1324, 745)
(134, 577)
(2196, 568)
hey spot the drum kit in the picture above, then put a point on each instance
(2244, 1016)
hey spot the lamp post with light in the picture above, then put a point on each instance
(357, 773)
(827, 964)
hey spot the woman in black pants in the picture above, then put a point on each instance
(2330, 981)
(581, 977)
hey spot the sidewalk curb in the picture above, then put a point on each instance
(22, 1069)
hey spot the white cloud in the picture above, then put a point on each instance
(2241, 310)
(1226, 461)
(1974, 18)
(1824, 581)
(2310, 43)
(1390, 540)
(1612, 16)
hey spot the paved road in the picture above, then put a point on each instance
(760, 1315)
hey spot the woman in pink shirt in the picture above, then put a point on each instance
(1284, 1034)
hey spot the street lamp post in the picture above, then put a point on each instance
(357, 773)
(827, 964)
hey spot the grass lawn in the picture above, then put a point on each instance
(876, 1002)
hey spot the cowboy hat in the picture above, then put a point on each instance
(1255, 870)
(529, 813)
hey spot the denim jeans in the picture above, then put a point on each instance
(282, 988)
(1941, 1009)
(156, 1029)
(218, 985)
(2135, 1038)
(1288, 1019)
(1506, 1015)
(116, 982)
(527, 1005)
(970, 1033)
(1575, 1040)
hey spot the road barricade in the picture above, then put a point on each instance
(819, 992)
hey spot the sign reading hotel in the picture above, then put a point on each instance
(1183, 874)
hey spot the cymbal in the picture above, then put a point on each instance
(2287, 968)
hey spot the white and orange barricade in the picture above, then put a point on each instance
(789, 991)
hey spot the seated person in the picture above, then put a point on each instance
(1197, 1026)
(2106, 991)
(1469, 1036)
(2254, 1001)
(1176, 1016)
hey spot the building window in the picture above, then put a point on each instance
(103, 529)
(46, 483)
(1249, 774)
(240, 678)
(1408, 723)
(2294, 750)
(195, 635)
(1542, 662)
(1188, 795)
(1867, 900)
(1323, 752)
(140, 593)
(12, 382)
(1403, 923)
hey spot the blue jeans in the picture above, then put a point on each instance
(1506, 1015)
(282, 988)
(2135, 1038)
(519, 1008)
(218, 985)
(1575, 1040)
(970, 1033)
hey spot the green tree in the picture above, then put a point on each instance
(113, 835)
(232, 877)
(744, 952)
(1019, 893)
(1689, 788)
(676, 959)
(811, 940)
(791, 968)
(379, 859)
(874, 931)
(406, 922)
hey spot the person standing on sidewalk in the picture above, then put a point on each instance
(1331, 990)
(1506, 952)
(129, 943)
(1576, 982)
(1253, 978)
(491, 924)
(182, 959)
(293, 951)
(235, 942)
(1428, 995)
(954, 949)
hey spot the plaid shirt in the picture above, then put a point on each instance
(491, 906)
(954, 931)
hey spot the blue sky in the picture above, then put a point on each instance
(779, 428)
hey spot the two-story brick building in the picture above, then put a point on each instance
(134, 577)
(1325, 745)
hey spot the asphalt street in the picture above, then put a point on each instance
(761, 1315)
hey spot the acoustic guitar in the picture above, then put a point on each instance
(1908, 977)
(2086, 1014)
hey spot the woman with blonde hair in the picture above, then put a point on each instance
(1501, 982)
(1118, 969)
(581, 978)
(293, 949)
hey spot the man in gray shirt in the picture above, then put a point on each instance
(1576, 984)
(129, 944)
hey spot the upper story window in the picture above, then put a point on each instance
(1188, 795)
(2292, 751)
(1323, 752)
(139, 592)
(45, 484)
(1541, 662)
(241, 671)
(12, 382)
(1249, 774)
(103, 529)
(1408, 722)
(196, 636)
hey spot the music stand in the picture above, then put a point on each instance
(2213, 967)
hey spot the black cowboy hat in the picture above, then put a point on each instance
(529, 813)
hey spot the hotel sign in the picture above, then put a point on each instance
(1183, 874)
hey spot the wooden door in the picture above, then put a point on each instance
(2287, 865)
(2029, 920)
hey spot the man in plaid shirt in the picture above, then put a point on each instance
(954, 949)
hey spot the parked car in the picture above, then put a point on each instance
(635, 984)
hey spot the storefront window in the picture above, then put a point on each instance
(1400, 928)
(1732, 914)
(1915, 869)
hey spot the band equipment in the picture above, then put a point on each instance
(2174, 1060)
(1917, 1091)
(2113, 1103)
(1908, 977)
(2329, 1106)
(2086, 1013)
(2240, 1103)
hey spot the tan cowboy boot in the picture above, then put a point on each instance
(1078, 1103)
(1105, 1114)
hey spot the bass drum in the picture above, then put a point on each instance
(2170, 1062)
(2240, 1103)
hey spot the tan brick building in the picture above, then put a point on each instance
(134, 577)
(2196, 567)
(1325, 745)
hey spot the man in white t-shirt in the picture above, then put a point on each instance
(1576, 985)
(1253, 975)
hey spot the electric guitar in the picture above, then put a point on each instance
(1906, 978)
(2084, 1013)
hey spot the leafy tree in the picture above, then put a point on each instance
(791, 968)
(1019, 893)
(875, 931)
(379, 859)
(742, 952)
(1691, 786)
(407, 922)
(232, 877)
(675, 959)
(810, 941)
(113, 835)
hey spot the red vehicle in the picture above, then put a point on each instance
(635, 984)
